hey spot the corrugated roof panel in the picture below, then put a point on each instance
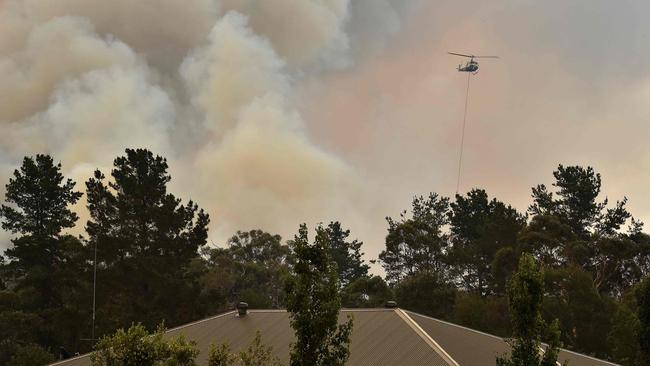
(471, 347)
(379, 337)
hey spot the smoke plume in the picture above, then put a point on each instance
(277, 112)
(210, 85)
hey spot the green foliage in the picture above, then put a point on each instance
(577, 205)
(643, 301)
(503, 266)
(141, 219)
(17, 327)
(552, 350)
(30, 354)
(452, 260)
(488, 314)
(346, 254)
(582, 311)
(42, 198)
(45, 265)
(480, 228)
(366, 292)
(426, 293)
(417, 243)
(146, 240)
(137, 347)
(252, 268)
(624, 335)
(313, 301)
(258, 263)
(551, 242)
(256, 354)
(220, 355)
(525, 295)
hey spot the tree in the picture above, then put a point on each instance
(479, 229)
(346, 254)
(552, 243)
(141, 219)
(146, 240)
(427, 293)
(583, 313)
(261, 264)
(313, 302)
(46, 266)
(137, 347)
(485, 313)
(417, 243)
(252, 268)
(366, 292)
(40, 198)
(643, 301)
(525, 295)
(577, 204)
(575, 227)
(624, 335)
(20, 334)
(30, 354)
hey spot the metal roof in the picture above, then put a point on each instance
(471, 347)
(380, 337)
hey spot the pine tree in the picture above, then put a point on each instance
(40, 199)
(45, 264)
(346, 254)
(145, 240)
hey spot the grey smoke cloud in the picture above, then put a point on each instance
(210, 85)
(272, 113)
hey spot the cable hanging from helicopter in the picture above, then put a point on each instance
(471, 68)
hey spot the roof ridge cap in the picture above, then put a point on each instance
(506, 338)
(200, 321)
(459, 326)
(426, 337)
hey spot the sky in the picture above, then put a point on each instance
(274, 113)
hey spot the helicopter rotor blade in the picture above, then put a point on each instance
(486, 57)
(459, 54)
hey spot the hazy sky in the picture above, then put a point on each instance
(273, 113)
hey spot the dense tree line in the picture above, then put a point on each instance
(594, 256)
(452, 258)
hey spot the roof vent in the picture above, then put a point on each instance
(390, 304)
(242, 308)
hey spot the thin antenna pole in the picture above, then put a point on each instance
(462, 136)
(94, 290)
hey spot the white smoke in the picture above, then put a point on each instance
(234, 68)
(302, 32)
(275, 112)
(210, 85)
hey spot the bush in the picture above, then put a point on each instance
(257, 354)
(137, 347)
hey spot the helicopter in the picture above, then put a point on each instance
(471, 65)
